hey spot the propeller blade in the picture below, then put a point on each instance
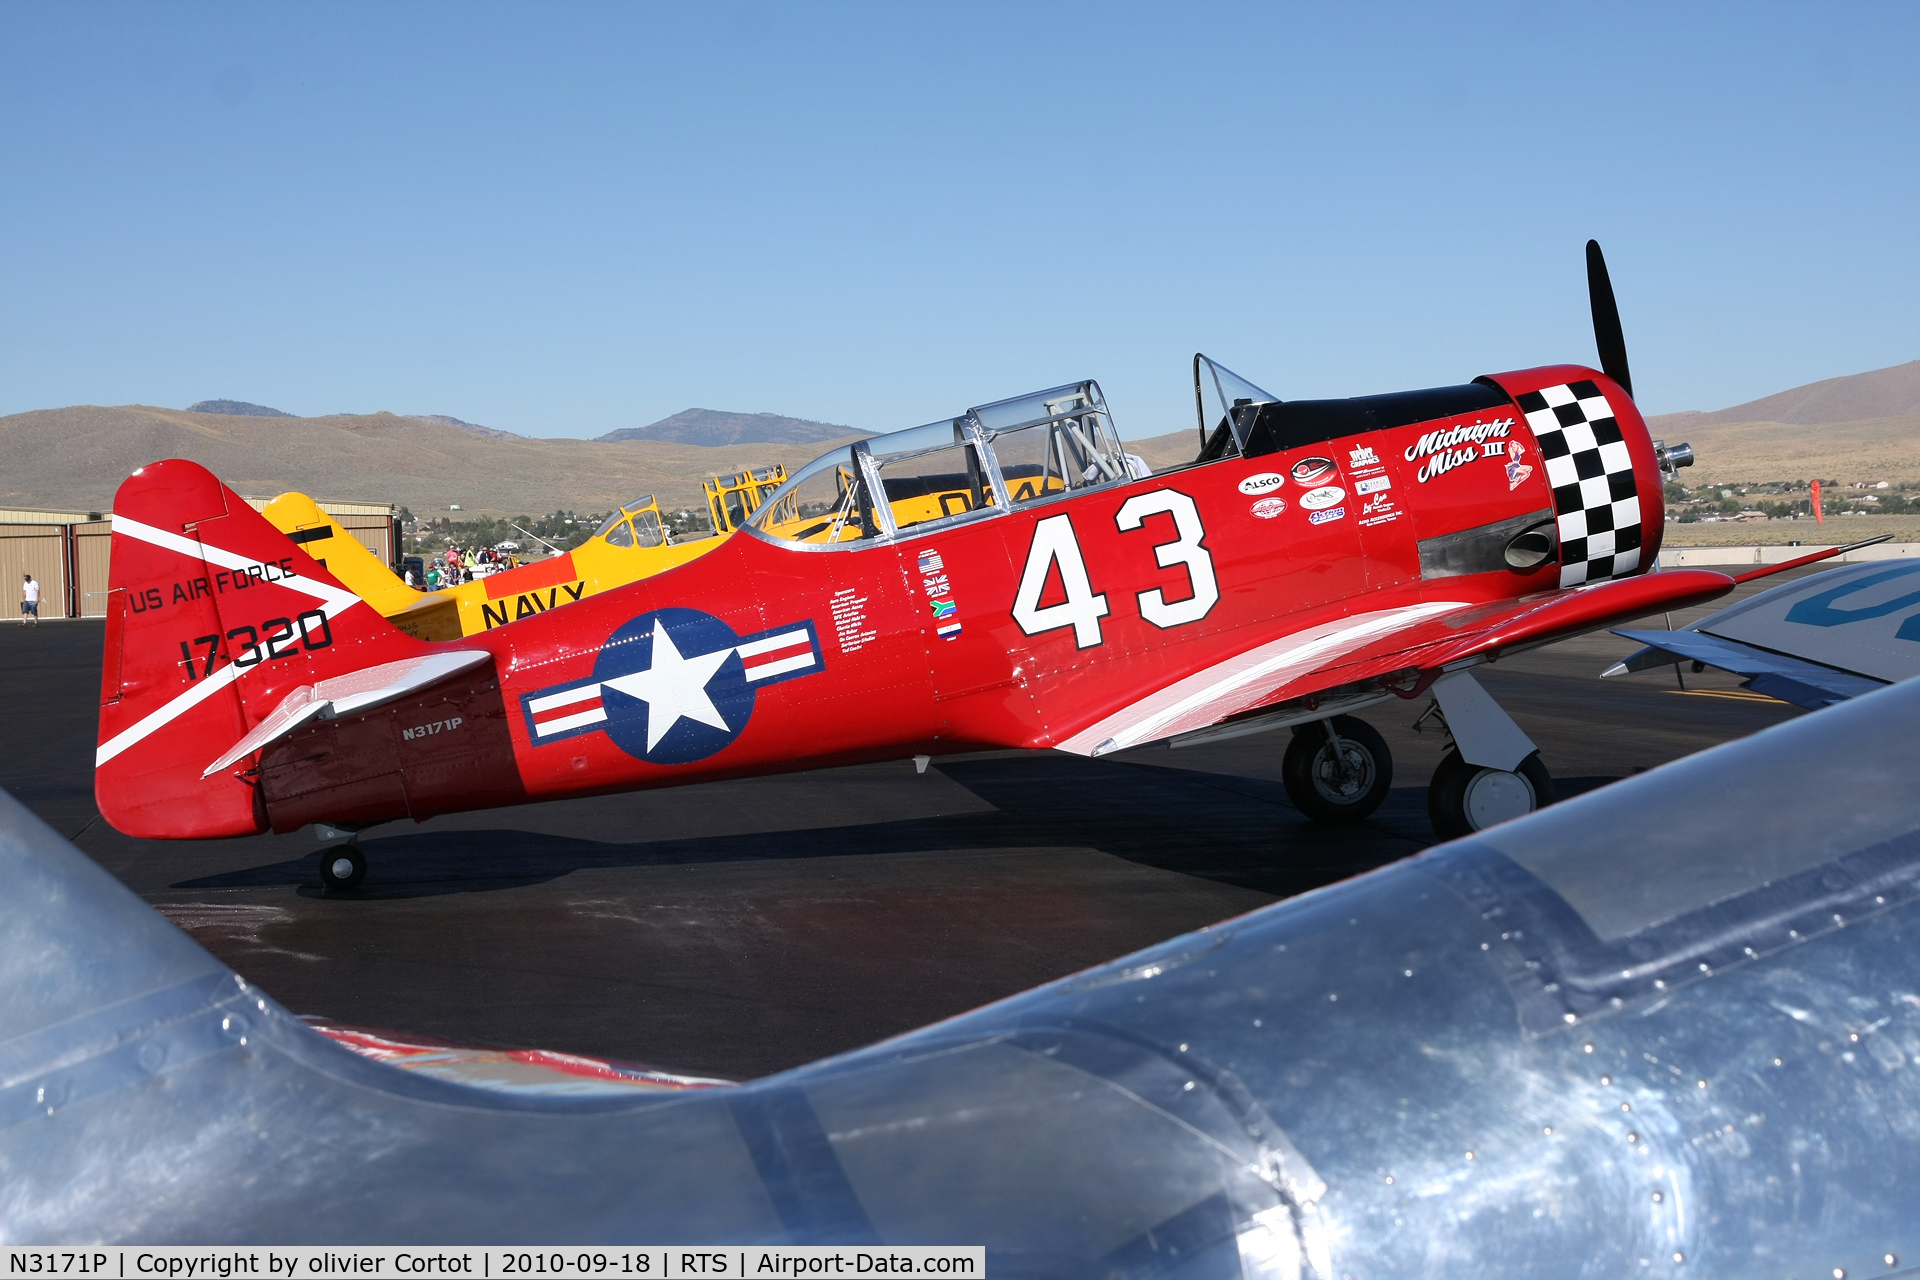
(1606, 320)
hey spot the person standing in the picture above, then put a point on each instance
(30, 602)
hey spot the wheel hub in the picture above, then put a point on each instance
(1494, 796)
(1343, 776)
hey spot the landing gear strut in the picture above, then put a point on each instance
(1337, 770)
(1492, 771)
(342, 866)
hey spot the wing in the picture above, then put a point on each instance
(1369, 657)
(1821, 640)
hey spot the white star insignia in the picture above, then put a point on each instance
(674, 688)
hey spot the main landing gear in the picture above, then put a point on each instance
(1339, 769)
(1464, 798)
(342, 866)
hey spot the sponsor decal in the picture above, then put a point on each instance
(1374, 485)
(1516, 472)
(1268, 508)
(1456, 446)
(1311, 471)
(1364, 456)
(1321, 517)
(673, 686)
(1325, 496)
(1379, 510)
(1262, 483)
(949, 632)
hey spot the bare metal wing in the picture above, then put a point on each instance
(1820, 640)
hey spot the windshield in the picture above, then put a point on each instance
(1218, 392)
(825, 502)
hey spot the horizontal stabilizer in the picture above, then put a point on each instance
(1804, 684)
(342, 695)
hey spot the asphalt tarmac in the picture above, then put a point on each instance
(738, 928)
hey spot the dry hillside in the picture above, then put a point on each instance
(1756, 452)
(76, 457)
(1862, 427)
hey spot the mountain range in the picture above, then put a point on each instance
(1865, 426)
(74, 458)
(1862, 427)
(712, 427)
(237, 409)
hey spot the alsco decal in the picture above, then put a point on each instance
(1445, 450)
(528, 603)
(1261, 482)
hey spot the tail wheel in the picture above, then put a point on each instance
(343, 866)
(1464, 798)
(1337, 785)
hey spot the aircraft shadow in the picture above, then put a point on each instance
(1220, 827)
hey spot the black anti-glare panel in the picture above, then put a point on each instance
(1403, 407)
(1290, 425)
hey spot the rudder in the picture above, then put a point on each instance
(214, 618)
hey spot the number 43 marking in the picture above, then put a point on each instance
(1054, 543)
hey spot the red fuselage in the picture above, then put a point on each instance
(1021, 626)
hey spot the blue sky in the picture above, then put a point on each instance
(560, 220)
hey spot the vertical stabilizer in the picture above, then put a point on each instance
(214, 618)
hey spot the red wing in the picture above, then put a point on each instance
(1403, 649)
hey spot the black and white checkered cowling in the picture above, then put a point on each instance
(1594, 497)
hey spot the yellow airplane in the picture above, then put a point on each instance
(631, 544)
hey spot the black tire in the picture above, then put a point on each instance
(1309, 770)
(1464, 798)
(330, 868)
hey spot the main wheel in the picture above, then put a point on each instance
(1342, 786)
(343, 866)
(1464, 798)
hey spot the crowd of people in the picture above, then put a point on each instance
(457, 565)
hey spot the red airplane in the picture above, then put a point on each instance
(1005, 578)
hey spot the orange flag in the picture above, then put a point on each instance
(1817, 517)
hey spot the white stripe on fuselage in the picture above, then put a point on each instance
(1157, 715)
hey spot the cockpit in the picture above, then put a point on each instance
(1238, 419)
(1030, 448)
(634, 524)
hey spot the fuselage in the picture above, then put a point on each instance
(1016, 624)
